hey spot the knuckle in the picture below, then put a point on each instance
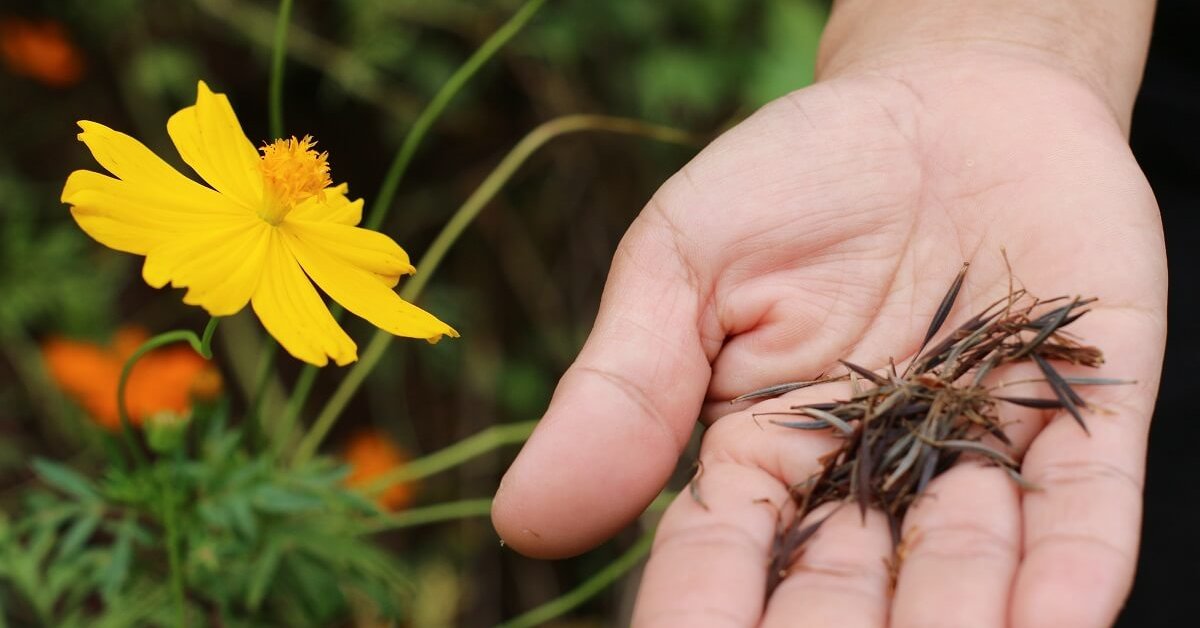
(962, 540)
(1076, 471)
(719, 534)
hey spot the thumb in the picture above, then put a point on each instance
(624, 410)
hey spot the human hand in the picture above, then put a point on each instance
(827, 226)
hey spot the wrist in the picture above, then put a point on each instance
(1100, 45)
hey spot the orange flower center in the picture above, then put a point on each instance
(292, 172)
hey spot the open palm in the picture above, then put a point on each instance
(827, 226)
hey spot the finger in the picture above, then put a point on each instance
(1082, 528)
(708, 566)
(622, 412)
(961, 539)
(841, 578)
(959, 551)
(712, 549)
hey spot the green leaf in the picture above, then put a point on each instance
(676, 80)
(793, 30)
(215, 513)
(79, 533)
(116, 573)
(244, 520)
(277, 499)
(66, 480)
(264, 573)
(315, 582)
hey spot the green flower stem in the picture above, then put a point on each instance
(436, 513)
(284, 430)
(461, 219)
(278, 56)
(262, 378)
(435, 108)
(202, 345)
(391, 182)
(508, 167)
(491, 438)
(586, 591)
(356, 77)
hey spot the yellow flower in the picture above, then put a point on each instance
(269, 224)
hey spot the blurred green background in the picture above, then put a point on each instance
(522, 285)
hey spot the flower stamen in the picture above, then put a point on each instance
(292, 172)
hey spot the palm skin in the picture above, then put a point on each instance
(826, 226)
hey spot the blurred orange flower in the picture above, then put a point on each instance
(164, 380)
(371, 454)
(40, 50)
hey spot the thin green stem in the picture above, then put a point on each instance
(291, 413)
(661, 502)
(436, 513)
(278, 56)
(356, 77)
(202, 345)
(412, 141)
(442, 99)
(491, 438)
(262, 377)
(512, 162)
(458, 223)
(590, 588)
(174, 564)
(206, 338)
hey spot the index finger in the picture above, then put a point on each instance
(621, 414)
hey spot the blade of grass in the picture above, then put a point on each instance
(591, 587)
(436, 513)
(441, 100)
(491, 438)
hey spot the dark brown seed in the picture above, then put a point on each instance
(901, 430)
(1029, 402)
(1052, 323)
(862, 487)
(778, 389)
(943, 311)
(1063, 391)
(866, 373)
(803, 425)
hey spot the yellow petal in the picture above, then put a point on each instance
(369, 250)
(221, 268)
(135, 217)
(361, 292)
(334, 207)
(292, 311)
(210, 139)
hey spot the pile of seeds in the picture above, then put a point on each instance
(901, 429)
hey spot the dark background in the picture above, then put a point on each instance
(1165, 139)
